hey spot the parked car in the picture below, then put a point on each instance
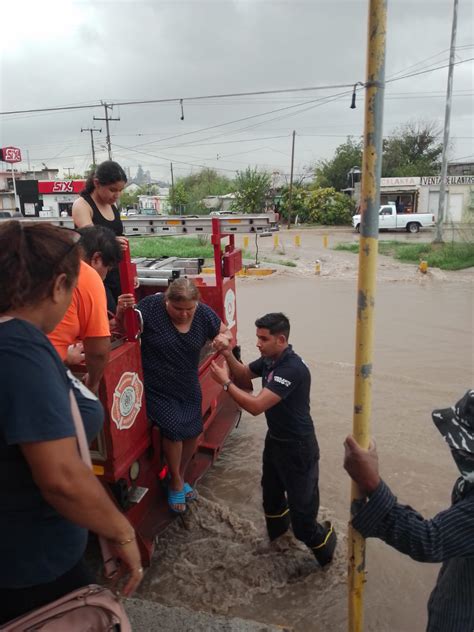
(389, 219)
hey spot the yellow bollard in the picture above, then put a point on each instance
(297, 240)
(275, 241)
(423, 267)
(246, 242)
(325, 241)
(317, 267)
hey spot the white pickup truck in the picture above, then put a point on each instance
(389, 219)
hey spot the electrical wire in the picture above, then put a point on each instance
(217, 96)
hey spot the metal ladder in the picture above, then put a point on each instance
(182, 225)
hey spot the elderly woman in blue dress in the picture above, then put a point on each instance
(176, 328)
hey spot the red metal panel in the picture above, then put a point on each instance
(126, 432)
(232, 263)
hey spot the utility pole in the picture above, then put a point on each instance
(172, 185)
(290, 193)
(107, 107)
(92, 130)
(447, 121)
(368, 249)
(68, 171)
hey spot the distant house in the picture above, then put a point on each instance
(132, 187)
(154, 204)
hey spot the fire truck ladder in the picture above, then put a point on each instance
(185, 225)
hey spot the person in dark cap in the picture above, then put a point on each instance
(446, 538)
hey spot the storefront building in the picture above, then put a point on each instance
(48, 198)
(421, 195)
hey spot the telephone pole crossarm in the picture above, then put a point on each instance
(107, 118)
(92, 130)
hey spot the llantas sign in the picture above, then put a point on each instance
(10, 154)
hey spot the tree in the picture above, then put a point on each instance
(333, 173)
(197, 186)
(128, 199)
(298, 203)
(412, 150)
(206, 182)
(178, 198)
(73, 176)
(252, 187)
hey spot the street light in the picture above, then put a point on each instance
(351, 176)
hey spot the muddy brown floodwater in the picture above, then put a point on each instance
(219, 559)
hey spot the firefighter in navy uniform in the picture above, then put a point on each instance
(291, 455)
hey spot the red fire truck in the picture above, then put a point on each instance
(127, 455)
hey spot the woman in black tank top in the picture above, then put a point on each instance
(98, 219)
(101, 192)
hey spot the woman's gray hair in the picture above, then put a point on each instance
(182, 289)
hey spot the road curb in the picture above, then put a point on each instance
(245, 271)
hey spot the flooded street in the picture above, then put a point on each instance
(219, 559)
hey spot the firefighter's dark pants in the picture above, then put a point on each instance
(291, 493)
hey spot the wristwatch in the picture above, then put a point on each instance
(226, 385)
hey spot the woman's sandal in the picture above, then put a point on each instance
(190, 494)
(176, 498)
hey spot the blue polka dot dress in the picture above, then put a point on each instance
(170, 366)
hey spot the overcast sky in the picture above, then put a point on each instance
(73, 52)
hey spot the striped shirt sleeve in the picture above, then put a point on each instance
(448, 535)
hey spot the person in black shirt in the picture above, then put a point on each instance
(291, 455)
(97, 205)
(446, 538)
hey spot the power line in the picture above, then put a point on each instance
(219, 96)
(178, 99)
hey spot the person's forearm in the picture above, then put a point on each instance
(238, 371)
(96, 357)
(245, 400)
(79, 497)
(95, 369)
(447, 535)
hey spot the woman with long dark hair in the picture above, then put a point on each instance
(97, 205)
(48, 497)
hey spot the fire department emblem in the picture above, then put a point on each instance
(229, 308)
(127, 400)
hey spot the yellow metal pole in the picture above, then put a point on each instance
(275, 241)
(246, 242)
(325, 241)
(297, 240)
(368, 247)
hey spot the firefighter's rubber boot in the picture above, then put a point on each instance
(324, 550)
(277, 524)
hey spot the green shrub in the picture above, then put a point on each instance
(327, 206)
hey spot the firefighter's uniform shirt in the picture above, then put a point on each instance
(86, 316)
(288, 377)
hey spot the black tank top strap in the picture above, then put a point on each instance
(98, 219)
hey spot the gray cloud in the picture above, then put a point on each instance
(147, 50)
